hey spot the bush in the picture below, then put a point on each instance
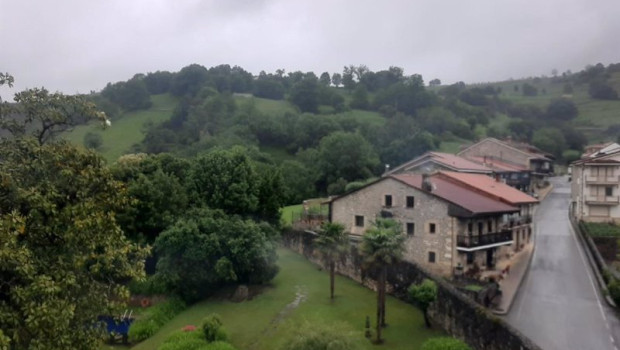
(150, 286)
(444, 343)
(154, 318)
(212, 328)
(614, 290)
(311, 336)
(184, 341)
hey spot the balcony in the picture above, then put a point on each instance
(602, 200)
(602, 180)
(472, 242)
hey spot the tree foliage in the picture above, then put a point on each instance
(423, 295)
(63, 257)
(208, 249)
(382, 246)
(333, 243)
(348, 156)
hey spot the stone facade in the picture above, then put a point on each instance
(432, 233)
(433, 230)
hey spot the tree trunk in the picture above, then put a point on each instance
(379, 340)
(383, 282)
(426, 320)
(332, 266)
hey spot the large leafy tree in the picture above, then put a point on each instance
(63, 258)
(208, 249)
(227, 180)
(382, 246)
(332, 242)
(348, 156)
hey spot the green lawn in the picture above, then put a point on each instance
(265, 105)
(127, 130)
(370, 117)
(286, 214)
(270, 318)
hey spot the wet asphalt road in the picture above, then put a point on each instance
(558, 305)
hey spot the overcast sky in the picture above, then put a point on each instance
(80, 45)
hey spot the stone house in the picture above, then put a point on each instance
(435, 161)
(595, 186)
(520, 224)
(448, 225)
(530, 165)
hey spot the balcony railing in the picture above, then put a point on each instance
(602, 180)
(602, 200)
(474, 240)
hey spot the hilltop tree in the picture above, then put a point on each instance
(305, 94)
(332, 242)
(358, 162)
(337, 79)
(325, 80)
(382, 246)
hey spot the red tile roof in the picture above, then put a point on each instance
(489, 186)
(457, 194)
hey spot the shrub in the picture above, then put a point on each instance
(150, 286)
(614, 290)
(444, 343)
(154, 318)
(212, 328)
(311, 336)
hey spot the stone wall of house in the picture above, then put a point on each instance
(428, 211)
(453, 311)
(497, 150)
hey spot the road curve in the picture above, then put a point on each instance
(558, 305)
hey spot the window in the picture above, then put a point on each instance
(410, 228)
(359, 221)
(388, 200)
(470, 228)
(470, 258)
(490, 226)
(431, 257)
(410, 201)
(609, 191)
(431, 228)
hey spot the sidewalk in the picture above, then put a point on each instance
(509, 286)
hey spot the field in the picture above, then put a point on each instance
(300, 294)
(126, 130)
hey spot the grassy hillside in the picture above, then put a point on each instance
(127, 130)
(595, 115)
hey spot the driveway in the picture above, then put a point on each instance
(558, 305)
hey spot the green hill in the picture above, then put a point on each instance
(126, 130)
(595, 115)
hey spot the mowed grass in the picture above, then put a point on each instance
(271, 318)
(126, 130)
(265, 105)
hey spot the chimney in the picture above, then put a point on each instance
(426, 183)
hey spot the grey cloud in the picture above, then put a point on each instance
(78, 46)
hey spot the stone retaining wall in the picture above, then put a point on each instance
(454, 312)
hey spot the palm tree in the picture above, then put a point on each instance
(332, 243)
(382, 246)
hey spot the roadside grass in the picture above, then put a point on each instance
(126, 130)
(300, 294)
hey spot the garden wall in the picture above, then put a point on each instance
(453, 311)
